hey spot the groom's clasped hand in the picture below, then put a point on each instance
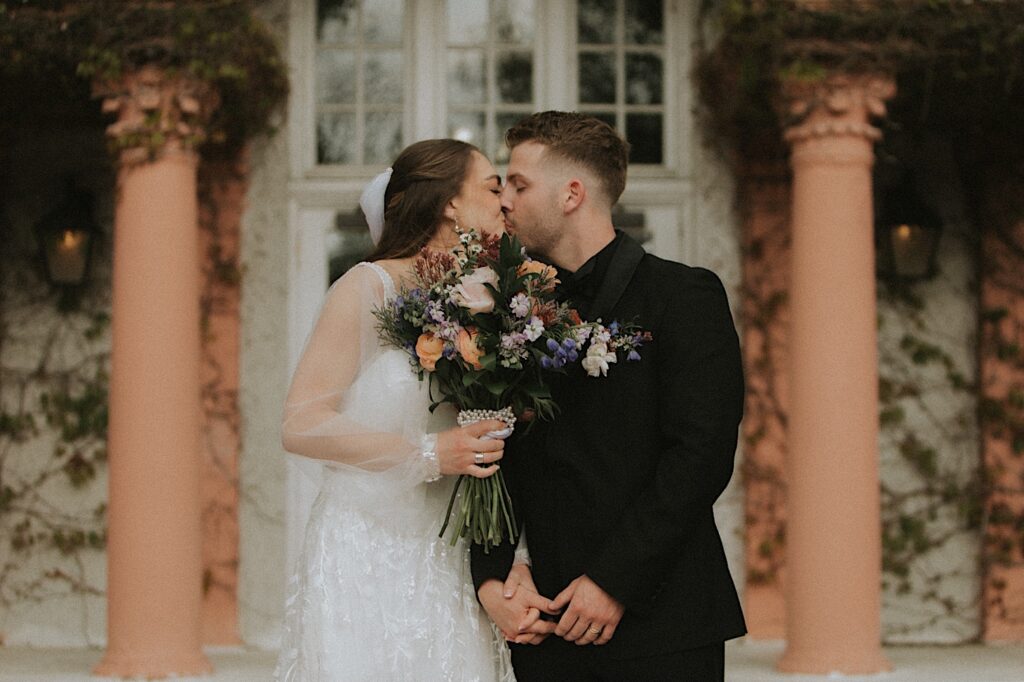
(582, 613)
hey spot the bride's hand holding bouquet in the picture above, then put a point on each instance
(483, 326)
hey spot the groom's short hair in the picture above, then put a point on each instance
(581, 139)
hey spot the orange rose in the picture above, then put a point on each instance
(428, 350)
(547, 272)
(468, 349)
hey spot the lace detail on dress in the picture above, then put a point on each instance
(375, 594)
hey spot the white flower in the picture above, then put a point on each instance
(471, 294)
(581, 334)
(534, 328)
(601, 334)
(520, 305)
(597, 360)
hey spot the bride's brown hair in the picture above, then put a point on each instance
(425, 177)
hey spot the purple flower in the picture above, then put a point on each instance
(546, 362)
(633, 356)
(552, 345)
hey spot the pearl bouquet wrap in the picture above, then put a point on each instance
(484, 509)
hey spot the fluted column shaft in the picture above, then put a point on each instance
(154, 579)
(833, 562)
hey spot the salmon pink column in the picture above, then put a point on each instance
(154, 582)
(833, 562)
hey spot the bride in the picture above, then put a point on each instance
(375, 594)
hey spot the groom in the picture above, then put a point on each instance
(615, 495)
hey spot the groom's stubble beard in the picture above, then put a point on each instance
(542, 235)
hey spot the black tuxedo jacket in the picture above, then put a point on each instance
(620, 485)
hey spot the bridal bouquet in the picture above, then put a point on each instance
(483, 326)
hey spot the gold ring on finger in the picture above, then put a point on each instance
(595, 631)
(478, 458)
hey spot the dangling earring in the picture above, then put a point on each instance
(458, 230)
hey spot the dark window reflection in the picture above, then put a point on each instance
(515, 77)
(644, 133)
(643, 79)
(644, 22)
(348, 244)
(336, 21)
(596, 21)
(335, 134)
(597, 78)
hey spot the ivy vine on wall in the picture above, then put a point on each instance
(958, 64)
(217, 42)
(931, 487)
(1002, 383)
(959, 70)
(57, 56)
(53, 425)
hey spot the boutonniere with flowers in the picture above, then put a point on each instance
(482, 326)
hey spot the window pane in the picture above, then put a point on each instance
(382, 21)
(468, 127)
(467, 22)
(504, 121)
(644, 22)
(643, 131)
(597, 77)
(513, 21)
(336, 21)
(347, 244)
(515, 77)
(384, 77)
(336, 76)
(643, 79)
(335, 137)
(596, 21)
(383, 137)
(466, 77)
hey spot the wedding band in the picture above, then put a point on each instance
(478, 458)
(595, 631)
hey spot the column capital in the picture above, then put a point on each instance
(837, 106)
(157, 112)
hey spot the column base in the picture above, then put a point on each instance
(819, 662)
(153, 667)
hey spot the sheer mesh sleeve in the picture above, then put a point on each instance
(343, 408)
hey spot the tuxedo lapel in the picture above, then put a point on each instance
(627, 257)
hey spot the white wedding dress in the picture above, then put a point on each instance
(375, 594)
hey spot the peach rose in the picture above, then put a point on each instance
(471, 292)
(547, 273)
(429, 349)
(468, 349)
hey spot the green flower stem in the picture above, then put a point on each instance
(484, 514)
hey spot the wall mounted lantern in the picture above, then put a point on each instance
(66, 235)
(906, 235)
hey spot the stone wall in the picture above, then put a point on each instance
(263, 379)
